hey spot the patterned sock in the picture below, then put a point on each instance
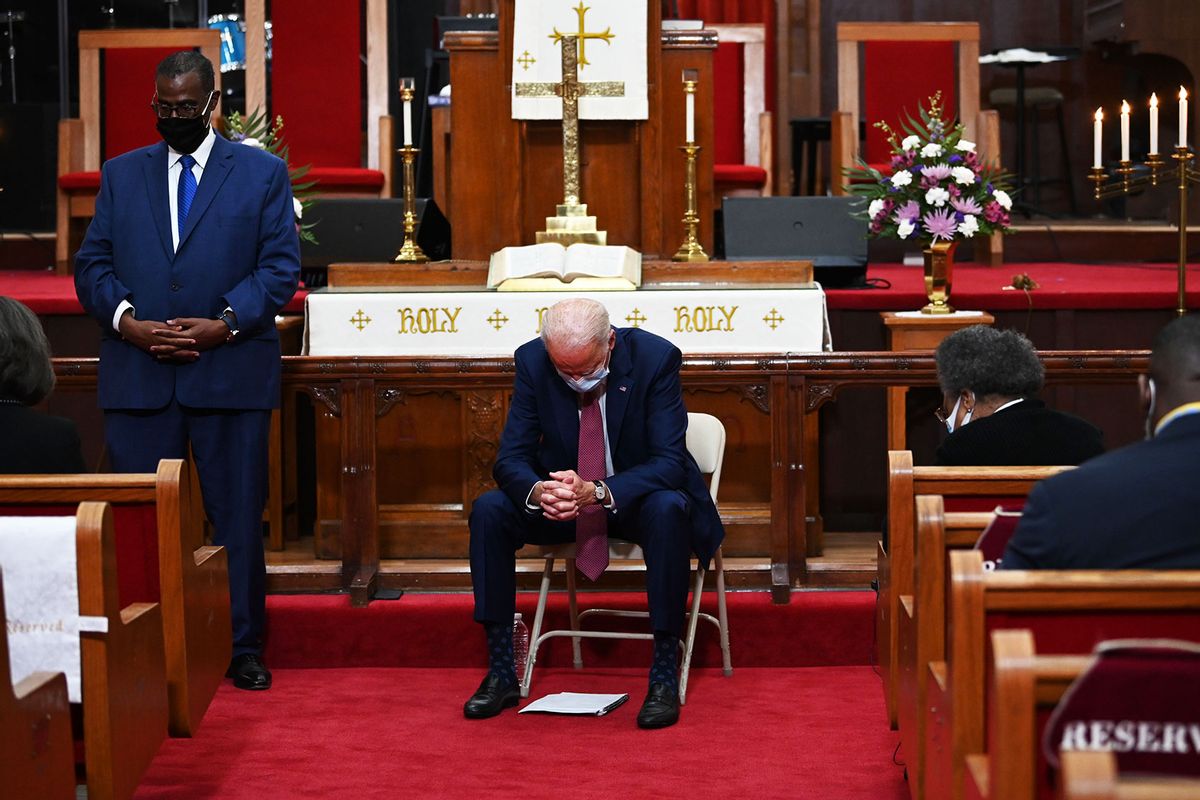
(500, 651)
(664, 668)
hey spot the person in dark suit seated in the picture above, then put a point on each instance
(30, 442)
(594, 446)
(1137, 507)
(989, 378)
(192, 252)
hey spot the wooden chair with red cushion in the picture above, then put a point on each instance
(903, 64)
(317, 88)
(743, 92)
(116, 85)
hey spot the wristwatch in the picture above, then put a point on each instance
(601, 492)
(230, 320)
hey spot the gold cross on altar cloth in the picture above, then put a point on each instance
(636, 318)
(570, 90)
(606, 36)
(360, 320)
(773, 319)
(497, 319)
(525, 60)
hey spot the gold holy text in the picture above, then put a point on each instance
(424, 320)
(700, 319)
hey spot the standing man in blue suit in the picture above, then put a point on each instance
(191, 254)
(594, 446)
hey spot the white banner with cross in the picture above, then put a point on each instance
(494, 324)
(612, 50)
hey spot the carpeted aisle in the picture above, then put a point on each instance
(816, 732)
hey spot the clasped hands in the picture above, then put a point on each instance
(564, 495)
(176, 341)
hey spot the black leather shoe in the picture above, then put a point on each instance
(249, 672)
(492, 697)
(660, 709)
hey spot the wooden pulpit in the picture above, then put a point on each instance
(505, 175)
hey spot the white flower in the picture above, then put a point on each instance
(902, 178)
(297, 208)
(1003, 199)
(965, 146)
(931, 150)
(963, 175)
(875, 207)
(969, 226)
(937, 196)
(905, 229)
(252, 142)
(910, 142)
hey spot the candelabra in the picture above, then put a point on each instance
(410, 251)
(1122, 181)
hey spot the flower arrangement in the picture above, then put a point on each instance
(938, 190)
(254, 131)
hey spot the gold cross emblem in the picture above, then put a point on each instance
(360, 320)
(526, 60)
(605, 36)
(497, 319)
(773, 319)
(636, 318)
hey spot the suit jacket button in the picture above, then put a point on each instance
(174, 287)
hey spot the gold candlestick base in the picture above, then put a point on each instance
(690, 250)
(410, 251)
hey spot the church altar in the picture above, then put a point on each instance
(483, 323)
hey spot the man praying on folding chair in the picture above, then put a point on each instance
(594, 446)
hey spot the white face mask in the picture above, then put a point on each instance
(1150, 412)
(954, 415)
(587, 382)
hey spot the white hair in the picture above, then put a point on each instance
(575, 323)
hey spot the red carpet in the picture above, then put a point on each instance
(399, 733)
(826, 628)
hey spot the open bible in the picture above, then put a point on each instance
(551, 267)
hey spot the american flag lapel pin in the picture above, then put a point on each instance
(623, 388)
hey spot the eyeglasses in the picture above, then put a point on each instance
(941, 414)
(184, 110)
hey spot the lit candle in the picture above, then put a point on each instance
(1097, 128)
(1124, 131)
(1153, 124)
(406, 93)
(1182, 117)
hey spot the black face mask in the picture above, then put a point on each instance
(184, 135)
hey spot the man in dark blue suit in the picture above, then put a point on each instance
(594, 446)
(1137, 507)
(191, 254)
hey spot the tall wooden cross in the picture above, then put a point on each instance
(570, 89)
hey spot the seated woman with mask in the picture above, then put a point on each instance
(988, 379)
(30, 442)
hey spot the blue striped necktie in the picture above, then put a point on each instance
(187, 190)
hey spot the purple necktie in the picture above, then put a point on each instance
(591, 526)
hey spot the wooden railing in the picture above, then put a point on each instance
(788, 389)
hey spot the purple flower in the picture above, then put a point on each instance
(938, 172)
(994, 213)
(955, 159)
(910, 211)
(940, 224)
(966, 205)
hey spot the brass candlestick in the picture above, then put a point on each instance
(410, 251)
(1123, 182)
(690, 250)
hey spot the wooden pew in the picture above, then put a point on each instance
(895, 563)
(922, 619)
(1068, 612)
(123, 670)
(1093, 776)
(193, 578)
(36, 757)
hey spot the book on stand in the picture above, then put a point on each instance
(551, 267)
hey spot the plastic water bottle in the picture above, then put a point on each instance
(520, 645)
